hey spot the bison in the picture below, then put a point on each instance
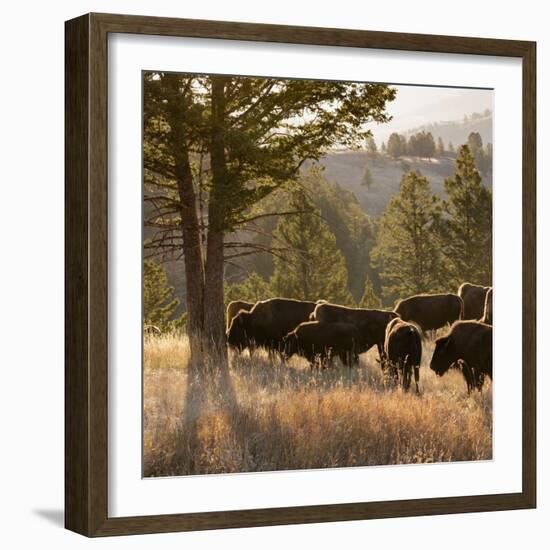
(468, 346)
(431, 311)
(403, 351)
(473, 297)
(323, 341)
(152, 330)
(371, 323)
(234, 307)
(488, 310)
(267, 323)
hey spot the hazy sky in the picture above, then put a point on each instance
(417, 105)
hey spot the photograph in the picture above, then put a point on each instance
(317, 274)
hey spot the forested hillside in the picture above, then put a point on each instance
(330, 218)
(336, 187)
(348, 168)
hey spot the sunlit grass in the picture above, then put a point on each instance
(288, 416)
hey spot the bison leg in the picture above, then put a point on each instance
(345, 358)
(349, 358)
(417, 377)
(381, 353)
(398, 372)
(406, 374)
(324, 359)
(479, 380)
(468, 374)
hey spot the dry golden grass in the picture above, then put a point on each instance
(272, 416)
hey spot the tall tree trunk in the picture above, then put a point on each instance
(193, 257)
(214, 324)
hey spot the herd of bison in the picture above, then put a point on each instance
(320, 331)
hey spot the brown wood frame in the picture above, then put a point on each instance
(86, 274)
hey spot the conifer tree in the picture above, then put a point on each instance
(159, 303)
(370, 300)
(367, 177)
(440, 151)
(408, 244)
(397, 145)
(348, 221)
(475, 143)
(372, 149)
(421, 144)
(468, 223)
(214, 147)
(313, 267)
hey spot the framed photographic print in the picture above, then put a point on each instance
(282, 250)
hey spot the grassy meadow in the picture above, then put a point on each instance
(275, 416)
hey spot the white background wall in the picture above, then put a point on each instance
(31, 273)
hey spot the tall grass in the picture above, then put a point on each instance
(275, 416)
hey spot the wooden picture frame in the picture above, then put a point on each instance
(86, 196)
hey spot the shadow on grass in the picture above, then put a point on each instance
(210, 388)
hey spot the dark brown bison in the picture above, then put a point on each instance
(234, 307)
(371, 323)
(320, 342)
(468, 346)
(403, 351)
(267, 323)
(430, 311)
(488, 310)
(151, 330)
(473, 297)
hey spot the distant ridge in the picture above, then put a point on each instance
(457, 131)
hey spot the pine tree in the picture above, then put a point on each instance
(475, 143)
(408, 244)
(367, 177)
(313, 267)
(413, 145)
(159, 303)
(451, 147)
(468, 223)
(369, 299)
(372, 149)
(397, 145)
(421, 144)
(214, 146)
(383, 147)
(348, 221)
(440, 151)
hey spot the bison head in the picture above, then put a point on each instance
(290, 345)
(236, 334)
(443, 357)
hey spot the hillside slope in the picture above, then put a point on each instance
(347, 169)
